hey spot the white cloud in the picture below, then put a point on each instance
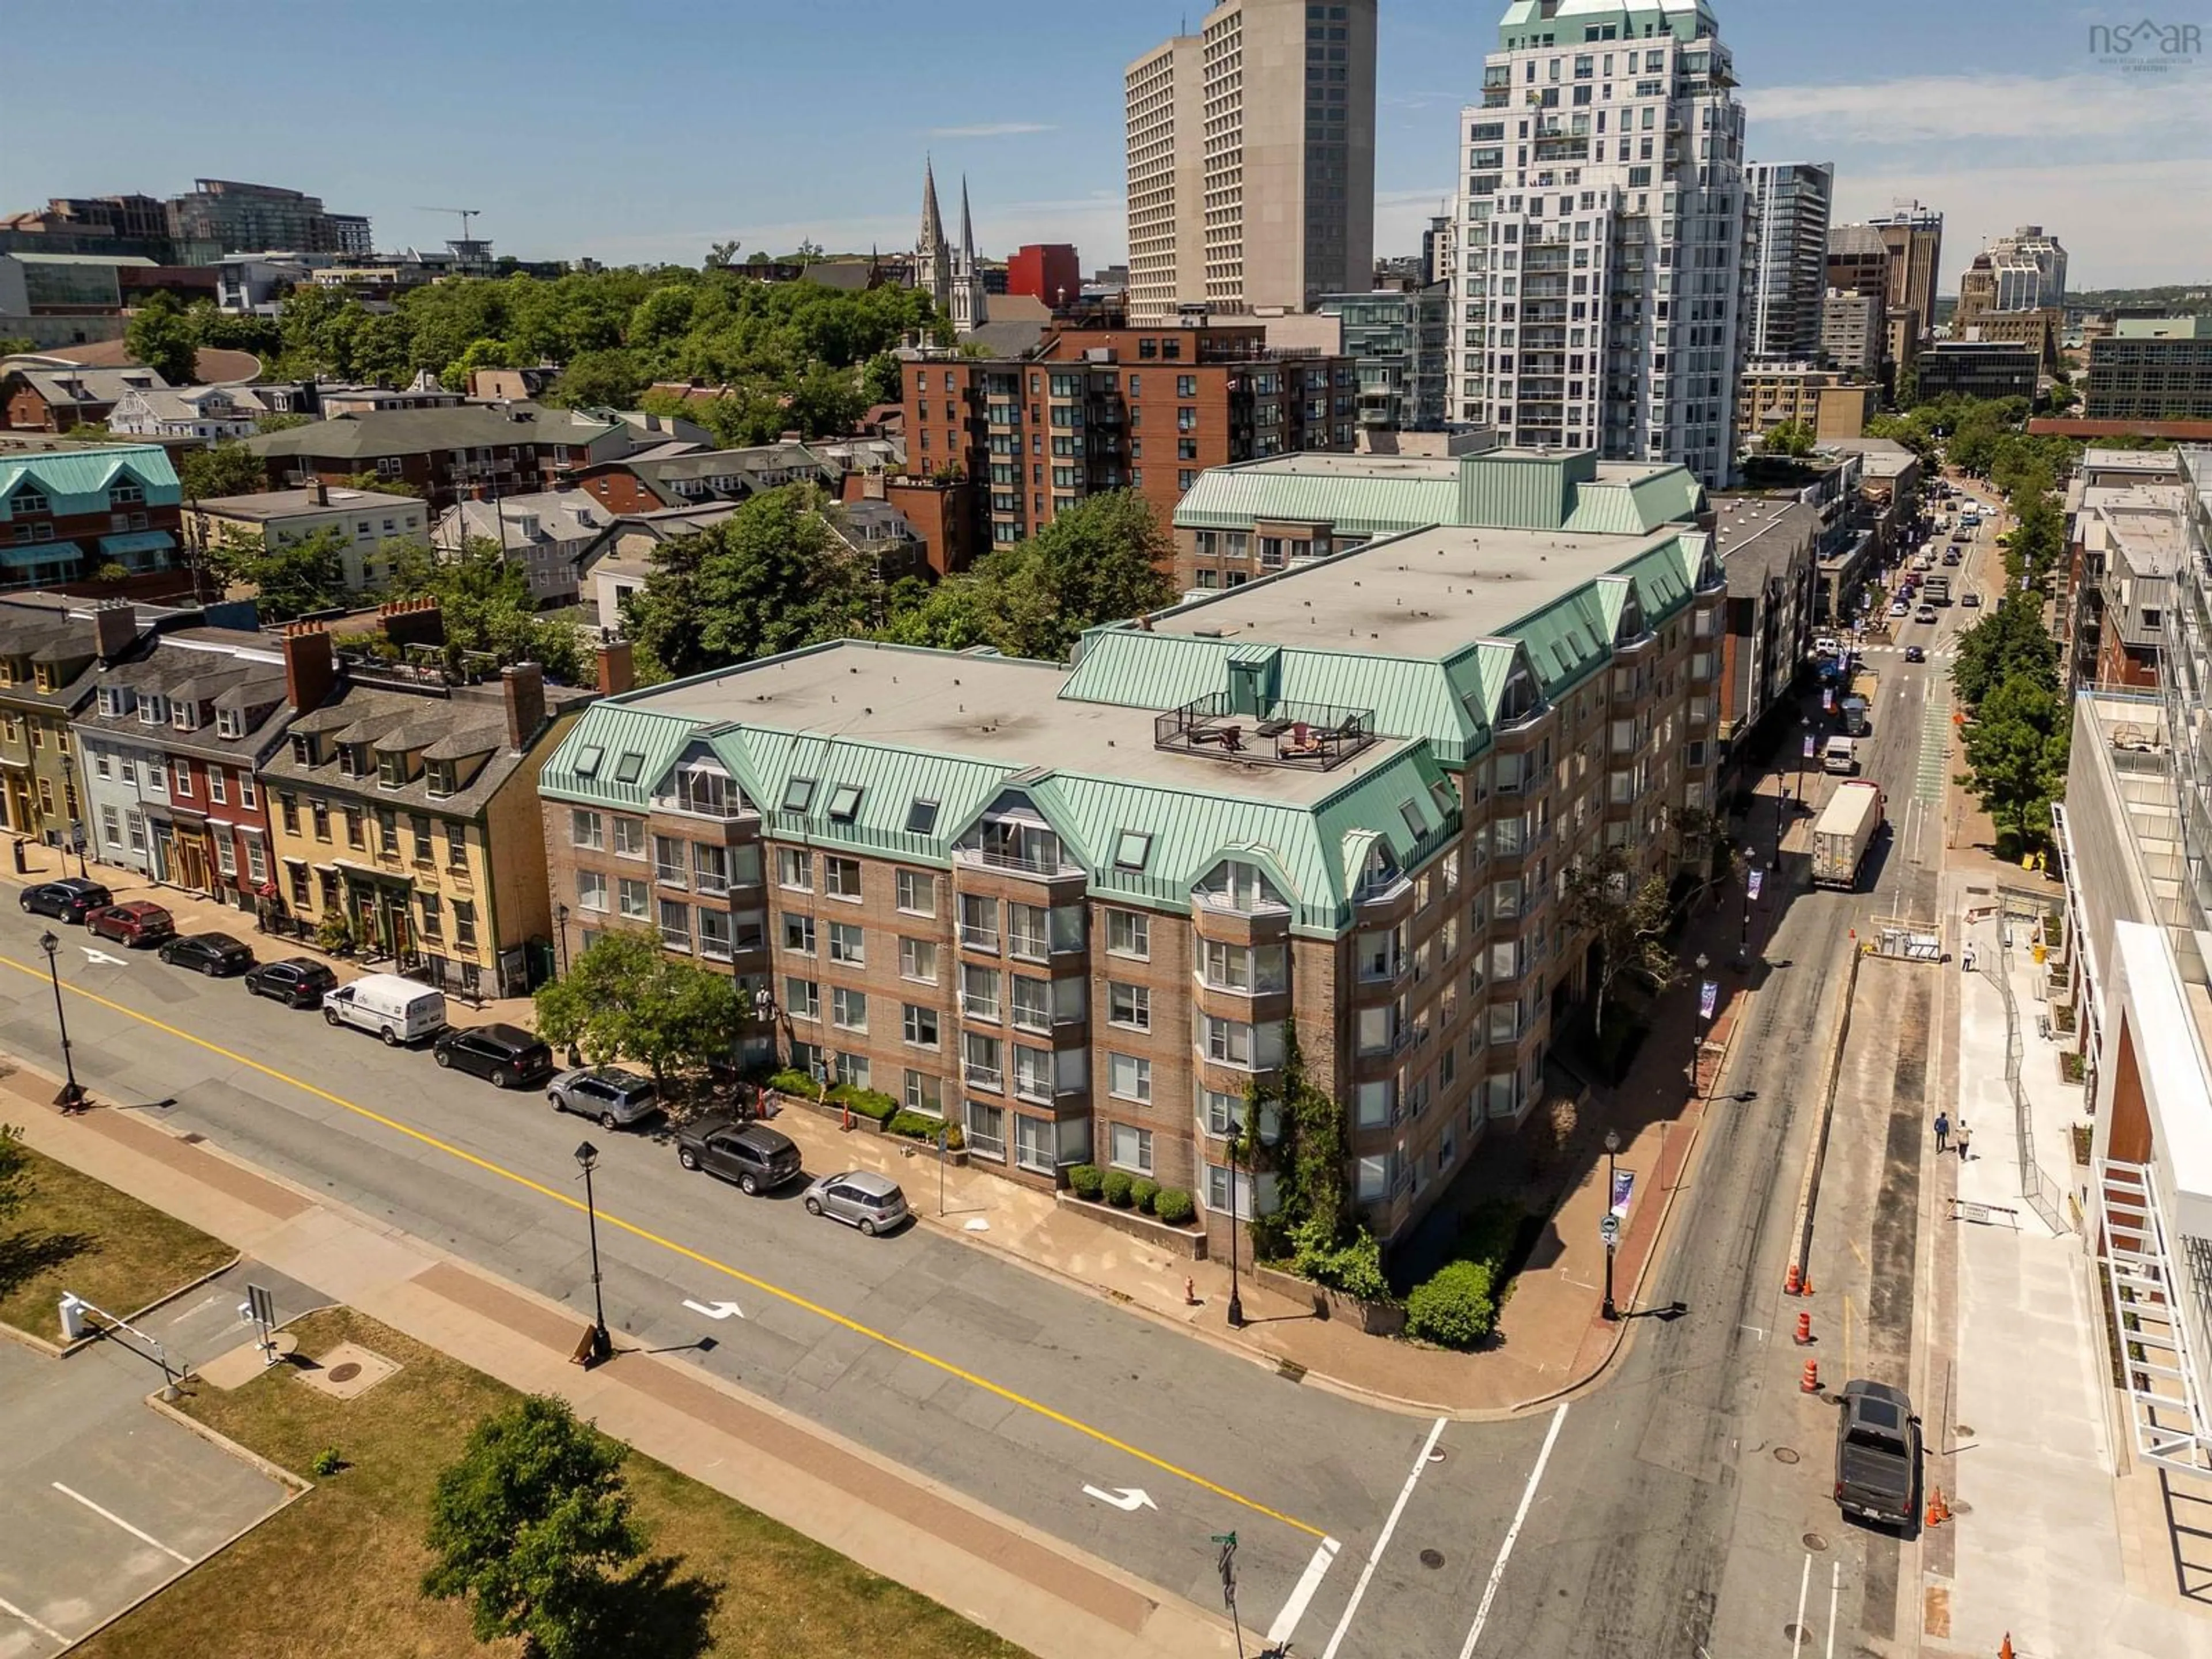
(1952, 108)
(2125, 223)
(993, 130)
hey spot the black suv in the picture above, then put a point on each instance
(506, 1054)
(212, 954)
(71, 899)
(296, 981)
(758, 1158)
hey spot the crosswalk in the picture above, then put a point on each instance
(1934, 653)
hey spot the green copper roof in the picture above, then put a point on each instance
(78, 481)
(1231, 498)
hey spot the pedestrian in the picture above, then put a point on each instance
(1942, 1132)
(1963, 1133)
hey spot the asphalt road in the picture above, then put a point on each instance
(1642, 1520)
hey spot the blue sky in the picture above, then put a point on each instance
(644, 130)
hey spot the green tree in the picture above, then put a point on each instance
(625, 999)
(882, 380)
(1457, 1309)
(228, 468)
(485, 606)
(2016, 752)
(1629, 927)
(1296, 1129)
(281, 422)
(531, 1527)
(770, 578)
(160, 336)
(2010, 639)
(11, 344)
(290, 579)
(481, 354)
(609, 378)
(1792, 438)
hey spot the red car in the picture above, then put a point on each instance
(135, 923)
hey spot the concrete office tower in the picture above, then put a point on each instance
(1599, 299)
(1251, 160)
(1914, 237)
(2029, 270)
(1788, 205)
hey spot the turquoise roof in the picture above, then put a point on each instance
(1231, 498)
(77, 481)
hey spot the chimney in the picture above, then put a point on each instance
(310, 670)
(524, 686)
(114, 628)
(617, 673)
(322, 494)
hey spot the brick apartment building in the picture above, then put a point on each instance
(683, 475)
(1076, 912)
(67, 515)
(1112, 408)
(442, 454)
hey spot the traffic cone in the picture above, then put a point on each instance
(2004, 1651)
(1793, 1285)
(1805, 1283)
(1190, 1291)
(1938, 1512)
(1804, 1330)
(1810, 1383)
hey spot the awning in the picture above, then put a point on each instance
(138, 541)
(23, 556)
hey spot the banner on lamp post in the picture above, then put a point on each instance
(1809, 749)
(1757, 876)
(1624, 1183)
(1709, 998)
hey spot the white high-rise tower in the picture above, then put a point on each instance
(1598, 301)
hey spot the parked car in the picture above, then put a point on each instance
(859, 1198)
(758, 1158)
(506, 1054)
(1925, 614)
(296, 981)
(136, 922)
(1952, 556)
(397, 1010)
(616, 1097)
(1914, 653)
(1900, 608)
(71, 899)
(1972, 601)
(217, 955)
(1877, 1454)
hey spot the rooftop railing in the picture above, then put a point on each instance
(1311, 736)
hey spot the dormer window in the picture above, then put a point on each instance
(353, 760)
(125, 493)
(440, 778)
(307, 748)
(155, 710)
(114, 701)
(391, 768)
(229, 723)
(44, 676)
(28, 499)
(185, 716)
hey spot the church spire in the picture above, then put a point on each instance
(932, 224)
(970, 309)
(933, 259)
(967, 224)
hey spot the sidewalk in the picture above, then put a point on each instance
(1048, 1597)
(1551, 1339)
(2050, 1547)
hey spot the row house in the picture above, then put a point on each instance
(403, 803)
(443, 455)
(53, 651)
(1101, 409)
(40, 394)
(1076, 912)
(677, 474)
(170, 748)
(76, 515)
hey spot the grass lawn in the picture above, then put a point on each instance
(335, 1573)
(77, 1234)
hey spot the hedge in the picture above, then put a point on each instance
(1118, 1183)
(1143, 1192)
(1454, 1308)
(790, 1082)
(920, 1126)
(1174, 1206)
(1086, 1181)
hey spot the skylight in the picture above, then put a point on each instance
(1130, 849)
(797, 794)
(921, 817)
(629, 767)
(844, 803)
(588, 762)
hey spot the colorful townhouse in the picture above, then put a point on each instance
(52, 651)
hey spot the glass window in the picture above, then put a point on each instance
(1131, 1148)
(669, 863)
(979, 922)
(797, 794)
(848, 1008)
(979, 992)
(1130, 1006)
(918, 1025)
(794, 867)
(920, 817)
(1028, 931)
(918, 960)
(1035, 1143)
(584, 829)
(591, 890)
(798, 934)
(1129, 933)
(986, 1130)
(1129, 1076)
(980, 1061)
(916, 892)
(1130, 849)
(802, 999)
(924, 1094)
(675, 925)
(633, 897)
(841, 878)
(714, 933)
(629, 837)
(847, 944)
(844, 803)
(1032, 1002)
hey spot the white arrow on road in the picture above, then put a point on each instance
(714, 1310)
(101, 959)
(1131, 1498)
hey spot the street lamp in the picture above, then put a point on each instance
(1610, 1225)
(72, 1094)
(1750, 885)
(602, 1345)
(1235, 1301)
(1698, 1022)
(560, 921)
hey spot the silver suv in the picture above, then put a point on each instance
(859, 1198)
(616, 1097)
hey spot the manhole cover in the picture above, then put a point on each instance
(1957, 1506)
(1785, 1453)
(345, 1373)
(1814, 1541)
(1432, 1557)
(1965, 1430)
(1796, 1633)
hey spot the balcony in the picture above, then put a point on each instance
(1312, 737)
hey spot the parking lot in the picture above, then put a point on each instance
(102, 1498)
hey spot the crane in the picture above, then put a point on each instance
(466, 214)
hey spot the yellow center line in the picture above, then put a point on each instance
(790, 1297)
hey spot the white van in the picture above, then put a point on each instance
(1840, 756)
(397, 1010)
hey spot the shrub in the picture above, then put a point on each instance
(1143, 1192)
(332, 935)
(920, 1126)
(1354, 1267)
(1174, 1206)
(1086, 1181)
(872, 1103)
(1454, 1309)
(1117, 1185)
(328, 1461)
(791, 1081)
